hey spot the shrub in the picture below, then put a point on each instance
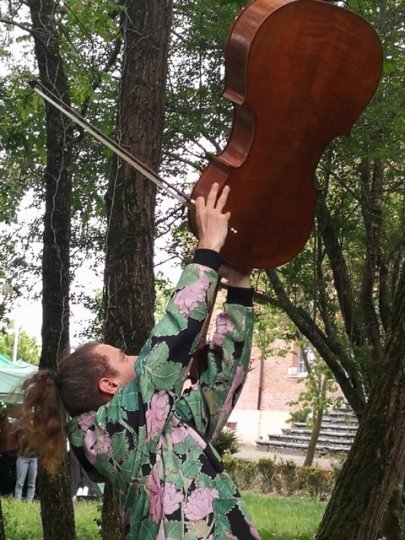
(288, 472)
(267, 471)
(227, 442)
(281, 477)
(316, 482)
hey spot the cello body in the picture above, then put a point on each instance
(299, 73)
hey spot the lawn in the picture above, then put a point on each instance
(284, 518)
(277, 518)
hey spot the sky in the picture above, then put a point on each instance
(27, 312)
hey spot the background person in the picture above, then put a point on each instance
(26, 469)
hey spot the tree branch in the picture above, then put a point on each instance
(181, 159)
(12, 22)
(332, 355)
(340, 272)
(371, 178)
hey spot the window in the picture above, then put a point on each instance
(304, 353)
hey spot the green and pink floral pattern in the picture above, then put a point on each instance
(153, 441)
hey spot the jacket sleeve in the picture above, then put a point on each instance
(209, 402)
(164, 360)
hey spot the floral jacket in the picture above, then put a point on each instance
(153, 441)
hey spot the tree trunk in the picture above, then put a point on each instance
(2, 529)
(377, 457)
(129, 294)
(129, 283)
(55, 497)
(392, 519)
(110, 515)
(328, 348)
(56, 502)
(316, 429)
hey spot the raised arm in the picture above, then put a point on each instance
(165, 358)
(209, 402)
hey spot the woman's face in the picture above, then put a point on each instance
(123, 364)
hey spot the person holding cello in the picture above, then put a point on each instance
(132, 423)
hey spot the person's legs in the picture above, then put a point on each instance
(32, 476)
(21, 472)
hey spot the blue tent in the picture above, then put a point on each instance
(12, 375)
(4, 361)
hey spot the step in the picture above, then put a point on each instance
(281, 443)
(340, 421)
(341, 427)
(321, 450)
(331, 433)
(321, 440)
(343, 413)
(306, 437)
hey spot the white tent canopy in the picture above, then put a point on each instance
(12, 376)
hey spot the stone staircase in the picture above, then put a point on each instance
(336, 436)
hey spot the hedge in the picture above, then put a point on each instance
(281, 477)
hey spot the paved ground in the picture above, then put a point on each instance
(252, 453)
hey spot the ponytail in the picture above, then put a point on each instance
(43, 419)
(48, 395)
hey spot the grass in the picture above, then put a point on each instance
(23, 521)
(284, 518)
(277, 518)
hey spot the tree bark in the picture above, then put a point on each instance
(2, 529)
(371, 181)
(392, 520)
(57, 514)
(316, 429)
(129, 294)
(129, 282)
(377, 458)
(56, 502)
(341, 278)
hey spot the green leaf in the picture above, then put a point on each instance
(173, 529)
(148, 529)
(172, 324)
(77, 437)
(129, 398)
(119, 445)
(191, 467)
(114, 412)
(163, 374)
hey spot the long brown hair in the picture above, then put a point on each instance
(48, 395)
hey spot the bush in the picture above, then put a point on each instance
(227, 442)
(267, 471)
(317, 482)
(281, 477)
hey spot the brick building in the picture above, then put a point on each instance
(263, 407)
(271, 384)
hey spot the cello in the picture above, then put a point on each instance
(299, 73)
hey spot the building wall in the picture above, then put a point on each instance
(283, 379)
(280, 385)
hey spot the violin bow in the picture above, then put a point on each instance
(68, 111)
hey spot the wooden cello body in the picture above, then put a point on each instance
(299, 73)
